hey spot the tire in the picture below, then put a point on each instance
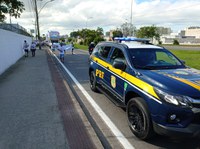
(139, 119)
(93, 82)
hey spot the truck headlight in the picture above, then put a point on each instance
(177, 100)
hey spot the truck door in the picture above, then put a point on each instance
(102, 72)
(116, 81)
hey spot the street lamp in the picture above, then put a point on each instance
(131, 17)
(37, 19)
(131, 10)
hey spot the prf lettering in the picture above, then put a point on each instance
(100, 73)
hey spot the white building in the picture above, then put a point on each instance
(193, 31)
(189, 36)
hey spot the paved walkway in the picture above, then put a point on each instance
(30, 113)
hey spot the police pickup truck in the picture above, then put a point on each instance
(160, 93)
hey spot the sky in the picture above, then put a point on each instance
(67, 16)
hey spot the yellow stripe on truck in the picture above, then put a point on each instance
(133, 80)
(186, 82)
(141, 84)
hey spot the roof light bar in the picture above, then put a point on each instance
(143, 40)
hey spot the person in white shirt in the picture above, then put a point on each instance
(33, 48)
(25, 47)
(61, 49)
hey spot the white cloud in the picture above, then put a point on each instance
(68, 15)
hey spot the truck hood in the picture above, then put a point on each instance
(179, 81)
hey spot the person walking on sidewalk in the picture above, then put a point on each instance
(25, 47)
(33, 48)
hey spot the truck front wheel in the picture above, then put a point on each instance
(93, 82)
(139, 119)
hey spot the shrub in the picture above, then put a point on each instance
(175, 42)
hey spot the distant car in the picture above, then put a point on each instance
(159, 92)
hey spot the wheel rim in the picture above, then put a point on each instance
(136, 119)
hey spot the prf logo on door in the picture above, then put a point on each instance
(113, 81)
(99, 73)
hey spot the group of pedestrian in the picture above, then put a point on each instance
(60, 47)
(32, 48)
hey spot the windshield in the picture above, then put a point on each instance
(154, 59)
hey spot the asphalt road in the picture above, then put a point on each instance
(77, 64)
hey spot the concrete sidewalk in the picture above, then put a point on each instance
(30, 117)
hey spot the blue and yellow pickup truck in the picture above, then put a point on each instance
(160, 93)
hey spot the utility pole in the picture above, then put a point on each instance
(131, 18)
(131, 11)
(37, 23)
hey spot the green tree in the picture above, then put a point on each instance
(62, 39)
(75, 34)
(148, 32)
(98, 39)
(117, 33)
(99, 31)
(175, 42)
(88, 35)
(99, 35)
(128, 29)
(12, 7)
(70, 39)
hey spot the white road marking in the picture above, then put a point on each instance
(120, 137)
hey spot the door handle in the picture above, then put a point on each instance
(107, 67)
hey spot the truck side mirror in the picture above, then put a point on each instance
(119, 64)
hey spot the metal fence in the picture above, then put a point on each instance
(15, 28)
